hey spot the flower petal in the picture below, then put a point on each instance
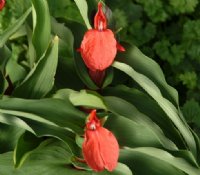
(100, 22)
(120, 48)
(91, 151)
(109, 148)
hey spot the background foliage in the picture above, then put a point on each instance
(40, 105)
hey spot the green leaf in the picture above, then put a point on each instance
(54, 112)
(13, 28)
(40, 80)
(43, 130)
(15, 71)
(165, 104)
(148, 67)
(31, 50)
(25, 146)
(83, 72)
(83, 7)
(14, 121)
(191, 110)
(132, 134)
(3, 83)
(149, 107)
(121, 107)
(108, 78)
(52, 158)
(156, 162)
(87, 99)
(66, 38)
(42, 27)
(5, 54)
(9, 136)
(19, 33)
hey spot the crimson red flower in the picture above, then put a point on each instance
(99, 47)
(100, 147)
(2, 4)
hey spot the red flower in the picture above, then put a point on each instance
(99, 47)
(2, 4)
(100, 147)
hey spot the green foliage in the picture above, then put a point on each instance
(184, 6)
(189, 79)
(167, 31)
(191, 110)
(46, 89)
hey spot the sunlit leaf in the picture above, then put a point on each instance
(41, 78)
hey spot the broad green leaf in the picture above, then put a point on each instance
(83, 72)
(9, 136)
(132, 134)
(42, 130)
(121, 107)
(148, 67)
(187, 155)
(25, 146)
(40, 80)
(15, 71)
(51, 158)
(42, 27)
(63, 94)
(55, 112)
(83, 7)
(13, 28)
(156, 162)
(150, 108)
(61, 133)
(14, 121)
(87, 99)
(165, 104)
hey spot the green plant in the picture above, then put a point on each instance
(167, 31)
(50, 89)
